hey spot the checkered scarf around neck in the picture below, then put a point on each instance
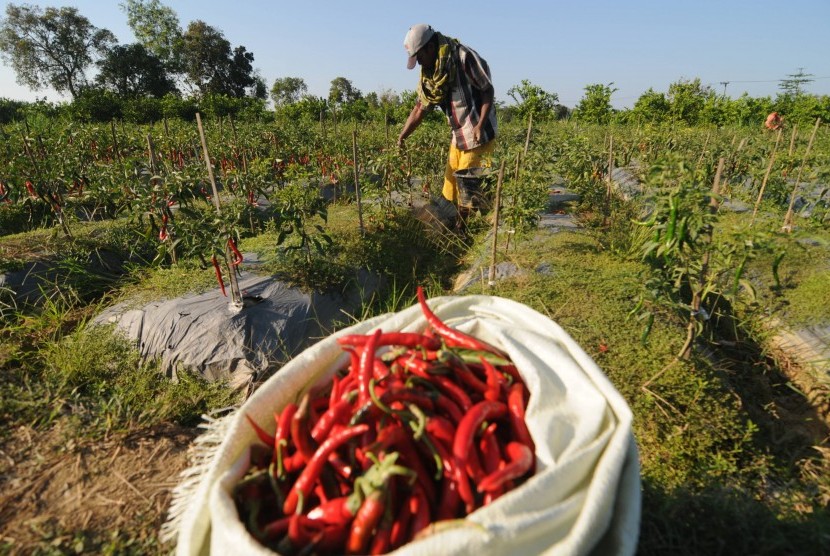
(435, 88)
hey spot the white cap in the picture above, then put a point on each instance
(416, 38)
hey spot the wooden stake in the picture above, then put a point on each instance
(788, 218)
(766, 176)
(236, 295)
(357, 182)
(492, 278)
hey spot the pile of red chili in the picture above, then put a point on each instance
(421, 427)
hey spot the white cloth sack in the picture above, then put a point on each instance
(583, 499)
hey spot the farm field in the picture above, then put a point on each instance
(692, 249)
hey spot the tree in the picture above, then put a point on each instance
(342, 91)
(686, 100)
(241, 77)
(51, 47)
(532, 99)
(595, 106)
(288, 90)
(130, 70)
(793, 84)
(211, 67)
(156, 27)
(651, 106)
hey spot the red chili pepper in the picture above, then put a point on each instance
(489, 446)
(365, 521)
(283, 434)
(473, 465)
(366, 368)
(335, 511)
(516, 407)
(163, 235)
(464, 374)
(400, 527)
(382, 539)
(304, 483)
(453, 390)
(469, 425)
(266, 438)
(379, 370)
(494, 381)
(218, 274)
(465, 492)
(337, 413)
(405, 339)
(396, 436)
(456, 337)
(449, 408)
(420, 510)
(450, 501)
(30, 188)
(520, 460)
(275, 529)
(300, 433)
(238, 258)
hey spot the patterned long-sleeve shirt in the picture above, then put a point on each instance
(463, 108)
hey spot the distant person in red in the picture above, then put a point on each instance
(774, 121)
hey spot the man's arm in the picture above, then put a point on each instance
(413, 121)
(484, 113)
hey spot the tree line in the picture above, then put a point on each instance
(171, 71)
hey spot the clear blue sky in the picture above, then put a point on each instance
(559, 46)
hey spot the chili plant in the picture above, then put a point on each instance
(690, 273)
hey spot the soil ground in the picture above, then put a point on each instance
(64, 494)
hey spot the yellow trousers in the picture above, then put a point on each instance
(461, 160)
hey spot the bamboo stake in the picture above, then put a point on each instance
(608, 181)
(513, 203)
(50, 198)
(115, 142)
(154, 169)
(206, 156)
(703, 151)
(492, 278)
(529, 128)
(792, 140)
(236, 295)
(766, 176)
(357, 182)
(788, 218)
(697, 296)
(409, 177)
(386, 125)
(151, 154)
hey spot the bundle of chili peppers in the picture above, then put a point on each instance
(421, 427)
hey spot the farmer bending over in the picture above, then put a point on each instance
(457, 80)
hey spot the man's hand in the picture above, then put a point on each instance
(477, 134)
